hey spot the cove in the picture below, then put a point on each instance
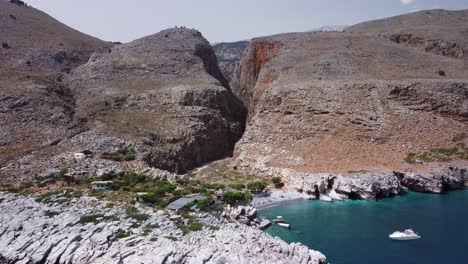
(357, 231)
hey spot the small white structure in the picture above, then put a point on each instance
(101, 185)
(79, 156)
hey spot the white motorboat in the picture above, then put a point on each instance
(284, 225)
(408, 234)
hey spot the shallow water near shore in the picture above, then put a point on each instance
(357, 231)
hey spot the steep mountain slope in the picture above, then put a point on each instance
(36, 108)
(344, 103)
(437, 31)
(32, 41)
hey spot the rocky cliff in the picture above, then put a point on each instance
(351, 102)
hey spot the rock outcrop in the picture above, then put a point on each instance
(84, 230)
(246, 215)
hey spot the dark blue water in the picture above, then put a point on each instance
(357, 231)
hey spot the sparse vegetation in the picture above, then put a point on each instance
(441, 73)
(459, 151)
(222, 173)
(459, 137)
(51, 214)
(133, 213)
(123, 234)
(172, 238)
(95, 219)
(410, 158)
(59, 197)
(237, 186)
(63, 172)
(5, 45)
(120, 155)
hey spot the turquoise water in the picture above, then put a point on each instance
(357, 231)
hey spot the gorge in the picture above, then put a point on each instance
(372, 112)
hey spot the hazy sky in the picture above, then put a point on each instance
(223, 20)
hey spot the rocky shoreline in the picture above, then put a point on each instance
(362, 185)
(85, 230)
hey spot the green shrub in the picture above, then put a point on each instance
(214, 186)
(108, 176)
(132, 178)
(121, 155)
(258, 186)
(277, 182)
(410, 158)
(236, 197)
(63, 171)
(196, 226)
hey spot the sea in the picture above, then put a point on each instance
(357, 231)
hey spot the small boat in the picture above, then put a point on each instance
(279, 221)
(284, 225)
(408, 234)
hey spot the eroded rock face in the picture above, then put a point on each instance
(31, 232)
